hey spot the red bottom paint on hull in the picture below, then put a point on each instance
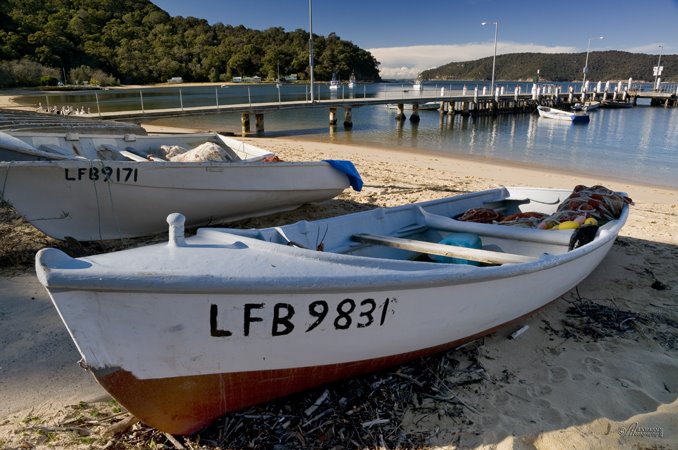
(184, 405)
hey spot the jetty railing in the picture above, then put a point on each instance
(452, 98)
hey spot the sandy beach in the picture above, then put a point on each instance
(595, 369)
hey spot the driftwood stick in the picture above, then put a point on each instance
(370, 423)
(120, 427)
(409, 378)
(174, 442)
(317, 403)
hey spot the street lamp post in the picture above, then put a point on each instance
(586, 64)
(657, 72)
(310, 43)
(494, 58)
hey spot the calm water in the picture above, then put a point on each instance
(637, 144)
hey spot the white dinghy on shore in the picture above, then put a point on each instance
(183, 332)
(99, 187)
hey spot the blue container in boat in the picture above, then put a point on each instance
(468, 240)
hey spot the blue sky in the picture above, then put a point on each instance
(408, 36)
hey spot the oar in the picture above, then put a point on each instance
(473, 254)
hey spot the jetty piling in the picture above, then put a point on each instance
(414, 117)
(348, 117)
(259, 119)
(400, 112)
(245, 123)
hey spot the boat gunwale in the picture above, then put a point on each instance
(87, 162)
(387, 276)
(240, 148)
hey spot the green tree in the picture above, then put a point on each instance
(137, 42)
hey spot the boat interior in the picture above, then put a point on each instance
(429, 233)
(128, 147)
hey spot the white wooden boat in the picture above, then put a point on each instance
(559, 114)
(183, 332)
(90, 190)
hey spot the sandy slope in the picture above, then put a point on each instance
(574, 379)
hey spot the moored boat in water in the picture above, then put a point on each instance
(183, 332)
(615, 104)
(559, 114)
(590, 105)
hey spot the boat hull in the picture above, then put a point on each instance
(615, 104)
(216, 353)
(98, 200)
(184, 405)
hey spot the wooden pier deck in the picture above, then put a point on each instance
(657, 98)
(452, 102)
(463, 102)
(263, 107)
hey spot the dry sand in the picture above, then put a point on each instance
(598, 368)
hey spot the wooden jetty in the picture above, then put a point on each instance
(453, 102)
(464, 102)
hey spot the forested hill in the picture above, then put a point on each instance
(608, 65)
(137, 42)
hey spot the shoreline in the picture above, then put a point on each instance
(10, 101)
(502, 169)
(570, 377)
(489, 161)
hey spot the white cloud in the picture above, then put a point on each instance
(407, 62)
(652, 49)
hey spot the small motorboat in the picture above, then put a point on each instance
(559, 114)
(590, 105)
(615, 104)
